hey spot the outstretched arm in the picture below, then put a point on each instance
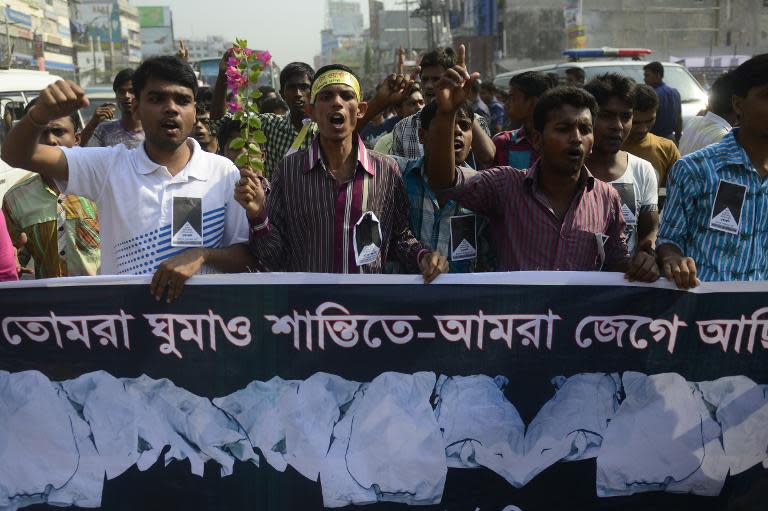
(21, 148)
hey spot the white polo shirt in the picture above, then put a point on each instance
(135, 200)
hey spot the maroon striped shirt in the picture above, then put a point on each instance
(309, 220)
(526, 232)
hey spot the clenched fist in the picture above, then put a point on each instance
(58, 100)
(250, 194)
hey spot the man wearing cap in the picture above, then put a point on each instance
(335, 207)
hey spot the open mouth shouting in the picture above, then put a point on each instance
(575, 154)
(171, 128)
(458, 144)
(336, 120)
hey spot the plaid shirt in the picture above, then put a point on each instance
(685, 222)
(280, 136)
(431, 224)
(62, 230)
(405, 138)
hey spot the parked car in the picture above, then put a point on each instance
(692, 94)
(17, 88)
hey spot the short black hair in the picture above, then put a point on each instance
(488, 86)
(123, 76)
(531, 83)
(165, 67)
(72, 117)
(752, 73)
(296, 69)
(646, 98)
(656, 67)
(336, 67)
(559, 97)
(443, 57)
(612, 85)
(721, 94)
(577, 72)
(229, 127)
(428, 113)
(269, 105)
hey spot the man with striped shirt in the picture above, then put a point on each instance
(715, 223)
(324, 201)
(554, 216)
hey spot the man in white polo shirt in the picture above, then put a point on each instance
(165, 207)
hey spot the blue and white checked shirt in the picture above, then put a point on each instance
(691, 188)
(431, 224)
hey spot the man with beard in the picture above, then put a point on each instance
(164, 207)
(634, 178)
(329, 205)
(553, 216)
(127, 130)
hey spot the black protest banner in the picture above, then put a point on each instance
(311, 391)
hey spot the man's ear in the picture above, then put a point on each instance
(738, 105)
(309, 110)
(77, 138)
(362, 107)
(135, 109)
(536, 140)
(422, 136)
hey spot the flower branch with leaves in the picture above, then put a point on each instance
(244, 68)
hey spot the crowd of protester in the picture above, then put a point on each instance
(541, 176)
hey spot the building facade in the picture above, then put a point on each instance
(104, 32)
(36, 35)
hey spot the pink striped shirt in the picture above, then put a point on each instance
(526, 232)
(308, 220)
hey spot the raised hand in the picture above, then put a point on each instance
(183, 52)
(104, 112)
(58, 100)
(394, 89)
(453, 88)
(400, 66)
(250, 194)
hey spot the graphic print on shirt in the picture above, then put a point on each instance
(726, 212)
(367, 239)
(187, 220)
(142, 254)
(629, 210)
(463, 237)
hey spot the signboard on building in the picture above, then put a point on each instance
(154, 16)
(101, 21)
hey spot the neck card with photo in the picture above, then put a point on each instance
(367, 239)
(463, 237)
(187, 222)
(600, 240)
(628, 201)
(726, 211)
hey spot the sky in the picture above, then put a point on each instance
(289, 29)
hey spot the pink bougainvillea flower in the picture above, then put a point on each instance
(234, 107)
(264, 56)
(236, 79)
(232, 62)
(247, 51)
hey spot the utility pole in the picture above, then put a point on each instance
(408, 25)
(9, 50)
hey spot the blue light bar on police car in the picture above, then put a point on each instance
(583, 53)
